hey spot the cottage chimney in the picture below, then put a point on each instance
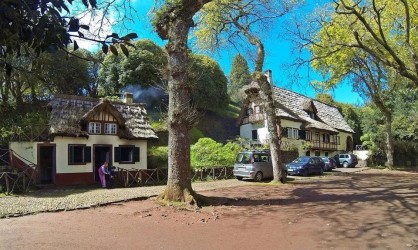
(269, 76)
(128, 98)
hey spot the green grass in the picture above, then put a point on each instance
(232, 111)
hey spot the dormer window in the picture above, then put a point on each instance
(95, 128)
(110, 128)
(311, 115)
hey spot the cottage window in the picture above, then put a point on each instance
(293, 133)
(127, 154)
(338, 140)
(95, 128)
(78, 154)
(110, 128)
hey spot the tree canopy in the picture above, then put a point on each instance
(36, 26)
(146, 66)
(384, 30)
(143, 67)
(239, 77)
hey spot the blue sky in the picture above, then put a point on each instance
(279, 54)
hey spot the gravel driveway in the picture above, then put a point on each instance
(61, 199)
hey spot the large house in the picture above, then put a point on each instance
(85, 132)
(309, 126)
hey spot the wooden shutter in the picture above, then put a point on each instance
(117, 154)
(87, 154)
(302, 134)
(285, 132)
(136, 154)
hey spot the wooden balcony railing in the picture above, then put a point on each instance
(320, 145)
(256, 117)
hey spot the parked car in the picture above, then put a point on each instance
(346, 160)
(330, 163)
(306, 165)
(253, 164)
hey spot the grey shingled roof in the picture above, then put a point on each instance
(70, 115)
(291, 105)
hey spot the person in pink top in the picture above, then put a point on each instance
(102, 172)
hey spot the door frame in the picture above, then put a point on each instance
(110, 160)
(54, 160)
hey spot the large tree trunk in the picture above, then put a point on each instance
(266, 93)
(389, 140)
(273, 126)
(174, 25)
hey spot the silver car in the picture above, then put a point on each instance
(254, 165)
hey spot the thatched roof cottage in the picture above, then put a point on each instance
(85, 132)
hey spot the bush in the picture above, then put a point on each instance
(158, 157)
(207, 153)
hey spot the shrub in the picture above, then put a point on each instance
(208, 153)
(158, 157)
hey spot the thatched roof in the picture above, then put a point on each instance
(294, 106)
(71, 114)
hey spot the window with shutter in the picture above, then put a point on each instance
(78, 154)
(127, 154)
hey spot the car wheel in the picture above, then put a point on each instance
(239, 178)
(258, 176)
(306, 173)
(321, 172)
(345, 164)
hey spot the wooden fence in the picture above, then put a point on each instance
(141, 177)
(16, 178)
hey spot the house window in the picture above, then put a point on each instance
(317, 153)
(78, 154)
(110, 128)
(254, 135)
(293, 133)
(95, 128)
(311, 114)
(126, 154)
(308, 135)
(325, 138)
(338, 140)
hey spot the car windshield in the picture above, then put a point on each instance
(243, 158)
(325, 159)
(301, 159)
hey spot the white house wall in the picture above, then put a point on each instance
(343, 141)
(26, 151)
(62, 152)
(262, 132)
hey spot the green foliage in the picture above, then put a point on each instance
(47, 26)
(208, 153)
(232, 111)
(144, 67)
(217, 21)
(378, 29)
(210, 90)
(240, 76)
(158, 157)
(195, 135)
(27, 119)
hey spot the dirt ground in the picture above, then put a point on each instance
(367, 210)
